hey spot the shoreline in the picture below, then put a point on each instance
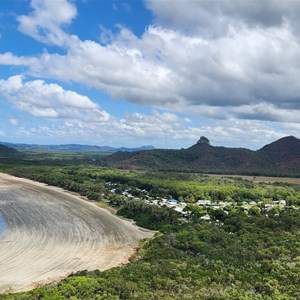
(75, 195)
(62, 233)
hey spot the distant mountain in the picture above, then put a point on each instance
(7, 151)
(283, 153)
(281, 158)
(73, 148)
(285, 147)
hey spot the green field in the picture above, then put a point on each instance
(265, 179)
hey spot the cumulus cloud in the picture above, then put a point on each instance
(136, 128)
(265, 111)
(9, 58)
(46, 21)
(42, 99)
(225, 60)
(216, 18)
(167, 68)
(156, 128)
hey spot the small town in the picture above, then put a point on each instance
(180, 206)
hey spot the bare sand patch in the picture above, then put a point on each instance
(50, 233)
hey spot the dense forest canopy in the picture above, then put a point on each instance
(242, 246)
(281, 158)
(249, 256)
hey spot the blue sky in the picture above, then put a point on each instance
(153, 72)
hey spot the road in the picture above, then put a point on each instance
(49, 233)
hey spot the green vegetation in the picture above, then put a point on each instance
(243, 252)
(281, 158)
(248, 256)
(7, 152)
(93, 182)
(149, 216)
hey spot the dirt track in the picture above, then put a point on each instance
(50, 233)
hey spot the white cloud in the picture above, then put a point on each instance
(215, 18)
(244, 133)
(45, 22)
(265, 111)
(156, 128)
(13, 121)
(248, 67)
(9, 58)
(225, 60)
(147, 128)
(42, 99)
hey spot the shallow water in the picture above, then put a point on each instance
(2, 226)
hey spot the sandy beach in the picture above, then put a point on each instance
(50, 233)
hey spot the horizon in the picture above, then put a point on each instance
(140, 146)
(143, 72)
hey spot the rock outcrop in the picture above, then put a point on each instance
(203, 140)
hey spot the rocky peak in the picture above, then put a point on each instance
(203, 140)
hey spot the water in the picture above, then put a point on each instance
(2, 226)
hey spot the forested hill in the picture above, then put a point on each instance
(284, 152)
(7, 151)
(280, 158)
(73, 148)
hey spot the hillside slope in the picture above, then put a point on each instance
(280, 158)
(7, 151)
(73, 148)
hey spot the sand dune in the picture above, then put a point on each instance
(50, 233)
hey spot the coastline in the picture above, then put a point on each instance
(90, 237)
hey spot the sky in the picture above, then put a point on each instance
(152, 72)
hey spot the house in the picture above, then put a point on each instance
(204, 202)
(269, 206)
(282, 202)
(205, 218)
(172, 202)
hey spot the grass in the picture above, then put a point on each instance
(257, 179)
